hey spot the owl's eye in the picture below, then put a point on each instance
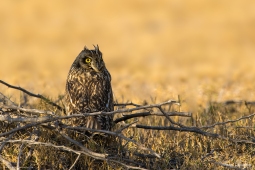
(87, 60)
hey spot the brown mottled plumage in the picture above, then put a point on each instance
(88, 89)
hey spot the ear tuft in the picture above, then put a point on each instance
(85, 48)
(96, 49)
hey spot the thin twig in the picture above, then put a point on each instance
(230, 166)
(128, 160)
(5, 141)
(195, 130)
(65, 148)
(31, 142)
(6, 101)
(126, 117)
(87, 151)
(168, 118)
(10, 119)
(182, 129)
(229, 121)
(28, 110)
(144, 114)
(34, 95)
(127, 104)
(18, 158)
(28, 126)
(126, 126)
(75, 161)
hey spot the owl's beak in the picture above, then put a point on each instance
(95, 68)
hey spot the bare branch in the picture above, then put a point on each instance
(182, 129)
(168, 118)
(144, 114)
(127, 104)
(5, 141)
(31, 142)
(34, 95)
(49, 119)
(126, 126)
(75, 161)
(231, 166)
(18, 158)
(5, 101)
(229, 121)
(195, 130)
(65, 148)
(126, 117)
(28, 126)
(28, 110)
(127, 166)
(87, 151)
(9, 119)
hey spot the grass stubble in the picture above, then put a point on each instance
(179, 150)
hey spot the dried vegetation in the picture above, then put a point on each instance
(154, 136)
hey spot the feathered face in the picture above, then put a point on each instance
(90, 60)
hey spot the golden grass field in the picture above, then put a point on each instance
(202, 51)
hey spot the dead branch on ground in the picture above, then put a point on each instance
(29, 118)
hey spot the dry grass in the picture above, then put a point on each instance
(155, 51)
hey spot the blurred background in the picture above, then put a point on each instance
(154, 50)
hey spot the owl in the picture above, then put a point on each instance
(88, 89)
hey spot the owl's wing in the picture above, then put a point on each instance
(70, 96)
(108, 91)
(109, 104)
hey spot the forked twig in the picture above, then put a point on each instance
(34, 95)
(75, 161)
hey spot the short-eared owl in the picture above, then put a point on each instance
(88, 89)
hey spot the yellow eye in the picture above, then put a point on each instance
(87, 60)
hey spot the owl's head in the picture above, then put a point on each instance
(90, 60)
